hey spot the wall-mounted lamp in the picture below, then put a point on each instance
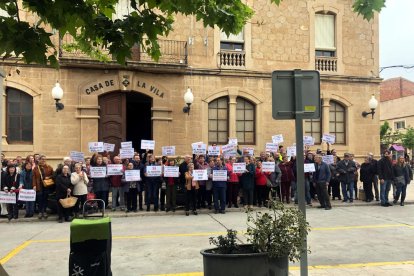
(188, 99)
(57, 94)
(373, 103)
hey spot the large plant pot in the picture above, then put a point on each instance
(245, 264)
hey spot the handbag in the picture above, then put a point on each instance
(46, 182)
(68, 202)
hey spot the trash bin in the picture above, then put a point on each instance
(90, 247)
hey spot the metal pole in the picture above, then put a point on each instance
(300, 180)
(2, 76)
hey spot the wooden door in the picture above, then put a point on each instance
(112, 123)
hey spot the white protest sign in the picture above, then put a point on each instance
(308, 141)
(153, 171)
(309, 167)
(199, 148)
(228, 150)
(126, 153)
(214, 150)
(27, 195)
(148, 144)
(98, 172)
(233, 141)
(328, 138)
(219, 175)
(9, 198)
(268, 166)
(277, 139)
(168, 150)
(328, 159)
(96, 146)
(114, 169)
(126, 145)
(239, 167)
(132, 175)
(109, 147)
(200, 175)
(272, 147)
(171, 171)
(77, 156)
(248, 151)
(291, 151)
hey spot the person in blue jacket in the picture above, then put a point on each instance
(219, 188)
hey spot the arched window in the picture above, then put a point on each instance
(218, 122)
(19, 114)
(337, 122)
(245, 118)
(313, 128)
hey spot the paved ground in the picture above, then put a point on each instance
(347, 240)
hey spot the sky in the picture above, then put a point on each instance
(397, 38)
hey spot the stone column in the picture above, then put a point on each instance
(325, 118)
(232, 116)
(3, 121)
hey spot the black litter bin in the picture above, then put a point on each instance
(90, 247)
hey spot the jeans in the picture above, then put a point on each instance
(41, 198)
(151, 194)
(30, 208)
(384, 190)
(117, 191)
(401, 189)
(219, 194)
(348, 187)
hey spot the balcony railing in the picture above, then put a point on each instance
(326, 64)
(232, 59)
(172, 52)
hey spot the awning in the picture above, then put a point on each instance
(397, 148)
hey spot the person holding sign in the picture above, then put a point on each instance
(26, 180)
(43, 184)
(247, 182)
(171, 191)
(233, 185)
(261, 181)
(100, 184)
(321, 178)
(192, 187)
(80, 182)
(202, 193)
(219, 189)
(131, 188)
(10, 184)
(153, 185)
(117, 187)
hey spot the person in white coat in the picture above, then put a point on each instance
(80, 182)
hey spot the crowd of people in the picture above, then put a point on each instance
(252, 187)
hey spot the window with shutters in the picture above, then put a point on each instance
(325, 42)
(232, 42)
(245, 121)
(218, 121)
(19, 117)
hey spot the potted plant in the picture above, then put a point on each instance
(273, 237)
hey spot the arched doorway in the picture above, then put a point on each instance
(125, 116)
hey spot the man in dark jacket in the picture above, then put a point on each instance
(153, 185)
(374, 163)
(321, 179)
(386, 176)
(346, 169)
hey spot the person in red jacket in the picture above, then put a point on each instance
(261, 179)
(233, 185)
(287, 178)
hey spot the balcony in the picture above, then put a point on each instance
(232, 59)
(326, 64)
(172, 52)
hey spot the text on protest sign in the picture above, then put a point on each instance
(248, 151)
(109, 147)
(199, 148)
(214, 150)
(168, 150)
(132, 175)
(126, 153)
(308, 141)
(171, 171)
(229, 150)
(271, 147)
(200, 175)
(328, 159)
(310, 167)
(268, 166)
(126, 145)
(9, 198)
(219, 175)
(328, 138)
(96, 146)
(114, 169)
(153, 171)
(148, 144)
(239, 167)
(98, 172)
(233, 141)
(291, 151)
(277, 139)
(27, 195)
(77, 156)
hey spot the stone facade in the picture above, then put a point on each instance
(277, 38)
